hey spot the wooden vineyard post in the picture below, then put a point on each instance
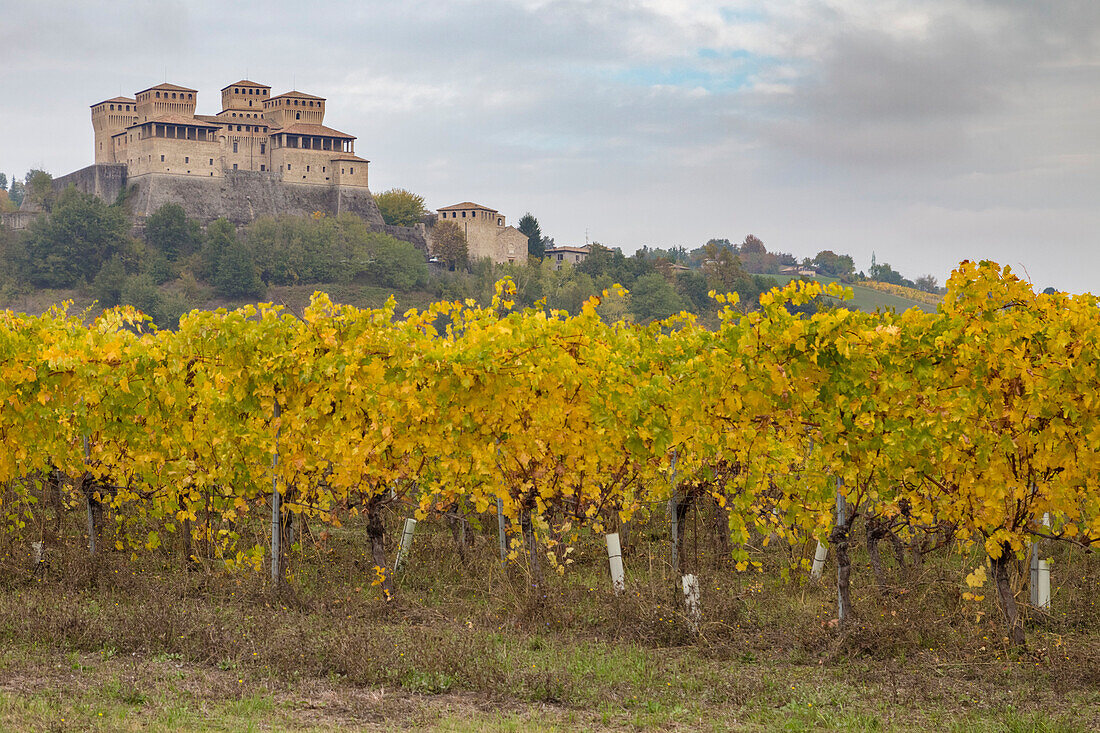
(89, 501)
(405, 545)
(674, 516)
(276, 511)
(502, 532)
(615, 562)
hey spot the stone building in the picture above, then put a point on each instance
(158, 132)
(560, 256)
(260, 155)
(487, 233)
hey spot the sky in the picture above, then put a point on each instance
(921, 131)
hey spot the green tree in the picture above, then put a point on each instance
(109, 282)
(830, 263)
(753, 246)
(17, 191)
(396, 264)
(237, 276)
(170, 232)
(164, 308)
(3, 181)
(40, 188)
(652, 298)
(529, 226)
(74, 241)
(449, 244)
(400, 207)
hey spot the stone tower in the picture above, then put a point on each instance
(109, 118)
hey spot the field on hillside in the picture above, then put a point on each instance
(864, 299)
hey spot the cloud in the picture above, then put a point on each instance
(903, 126)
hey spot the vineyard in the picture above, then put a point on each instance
(245, 437)
(901, 291)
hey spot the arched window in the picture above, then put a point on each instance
(297, 115)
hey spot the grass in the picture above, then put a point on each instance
(116, 645)
(864, 299)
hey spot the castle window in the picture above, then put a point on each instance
(288, 166)
(187, 159)
(463, 214)
(341, 171)
(263, 167)
(307, 170)
(500, 222)
(112, 108)
(162, 159)
(323, 169)
(158, 95)
(211, 161)
(234, 146)
(173, 95)
(238, 128)
(297, 115)
(250, 103)
(353, 171)
(263, 147)
(234, 166)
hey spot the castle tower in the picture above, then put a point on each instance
(287, 109)
(110, 118)
(245, 96)
(165, 99)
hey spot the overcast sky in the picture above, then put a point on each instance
(923, 131)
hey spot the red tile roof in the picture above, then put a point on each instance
(245, 83)
(303, 128)
(467, 205)
(300, 95)
(169, 87)
(123, 100)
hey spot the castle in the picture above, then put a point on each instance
(159, 132)
(260, 155)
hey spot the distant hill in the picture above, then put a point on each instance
(865, 298)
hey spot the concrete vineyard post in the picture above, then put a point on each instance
(1040, 574)
(819, 561)
(841, 518)
(406, 544)
(615, 562)
(690, 583)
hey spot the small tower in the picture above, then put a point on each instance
(109, 118)
(246, 96)
(165, 99)
(287, 109)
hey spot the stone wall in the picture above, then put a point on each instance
(17, 219)
(243, 196)
(104, 180)
(416, 235)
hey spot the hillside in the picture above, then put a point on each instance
(864, 299)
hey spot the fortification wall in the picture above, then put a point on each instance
(243, 196)
(416, 235)
(17, 219)
(104, 180)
